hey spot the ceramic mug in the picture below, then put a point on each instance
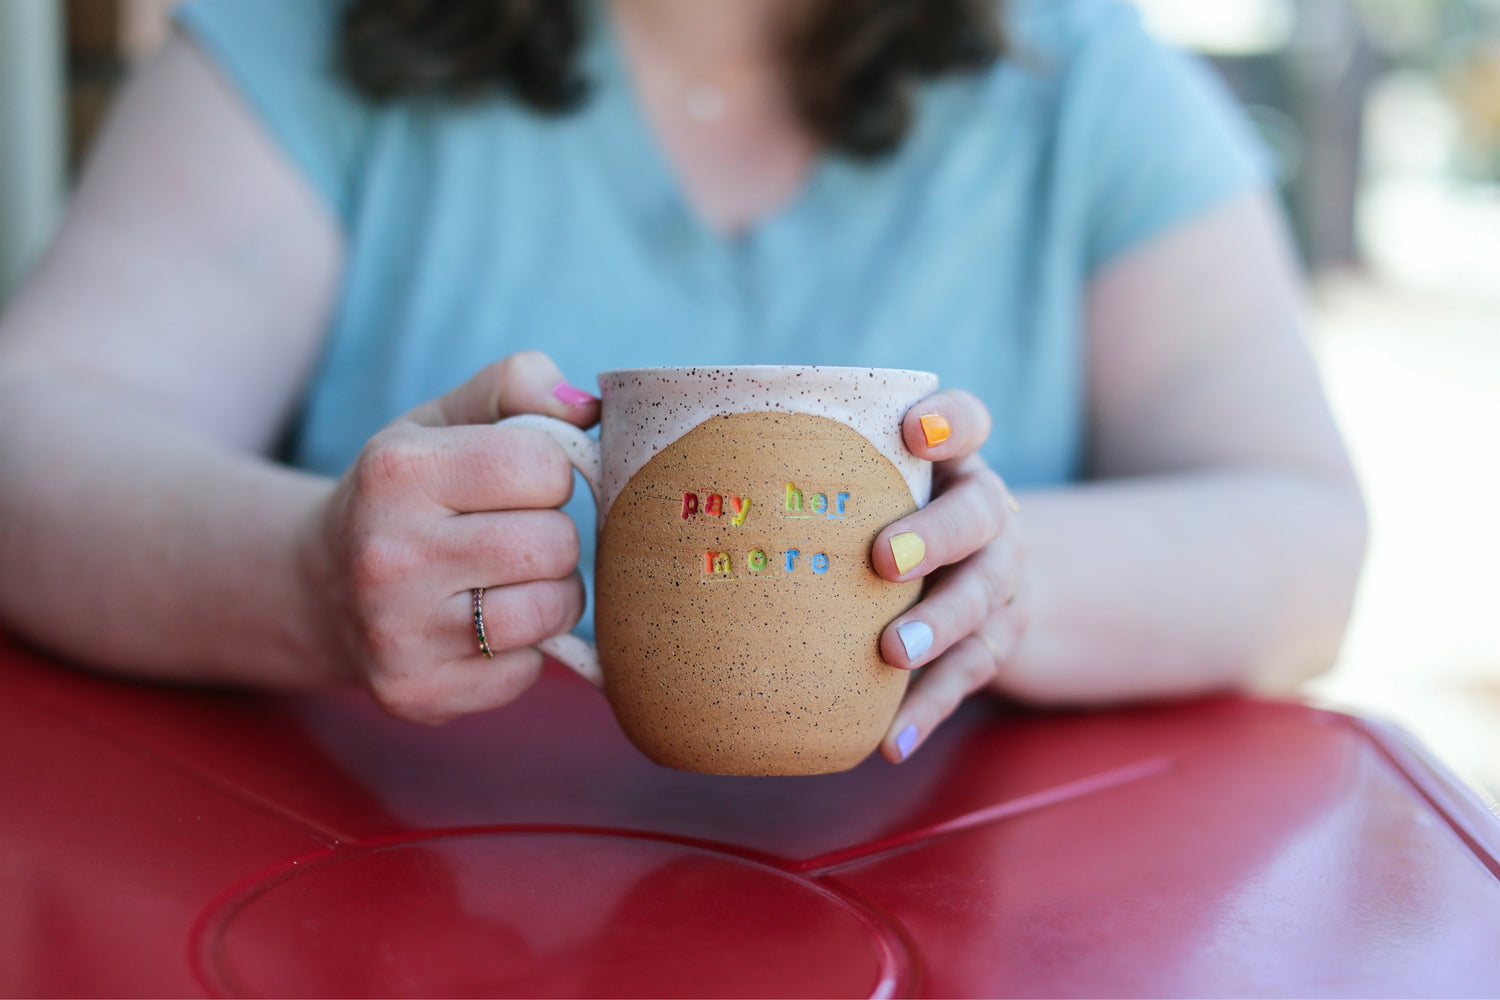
(737, 611)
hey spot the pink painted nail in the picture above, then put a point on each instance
(572, 395)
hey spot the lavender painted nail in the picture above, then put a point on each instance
(905, 740)
(916, 636)
(572, 395)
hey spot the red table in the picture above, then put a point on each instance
(169, 842)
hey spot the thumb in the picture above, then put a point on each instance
(525, 382)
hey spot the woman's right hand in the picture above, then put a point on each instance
(440, 502)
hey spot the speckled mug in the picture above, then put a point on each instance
(737, 610)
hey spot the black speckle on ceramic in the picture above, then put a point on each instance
(738, 613)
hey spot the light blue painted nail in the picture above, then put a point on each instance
(905, 740)
(916, 637)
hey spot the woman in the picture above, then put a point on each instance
(305, 219)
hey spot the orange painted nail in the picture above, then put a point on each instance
(935, 429)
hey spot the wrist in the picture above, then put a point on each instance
(317, 620)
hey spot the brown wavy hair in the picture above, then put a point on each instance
(852, 63)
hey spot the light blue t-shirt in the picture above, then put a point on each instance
(477, 230)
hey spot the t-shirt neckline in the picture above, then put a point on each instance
(655, 186)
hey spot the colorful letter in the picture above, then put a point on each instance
(839, 502)
(689, 505)
(756, 560)
(793, 497)
(721, 564)
(819, 503)
(708, 562)
(819, 563)
(715, 506)
(741, 507)
(791, 558)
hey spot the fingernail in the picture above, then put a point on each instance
(905, 740)
(935, 428)
(916, 637)
(908, 549)
(572, 395)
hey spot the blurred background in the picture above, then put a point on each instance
(1384, 119)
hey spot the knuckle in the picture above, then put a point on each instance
(382, 638)
(549, 607)
(569, 550)
(385, 637)
(555, 473)
(972, 514)
(982, 422)
(552, 551)
(979, 667)
(389, 463)
(528, 615)
(992, 584)
(539, 467)
(532, 611)
(377, 560)
(992, 497)
(944, 530)
(519, 372)
(952, 529)
(976, 416)
(1014, 618)
(526, 360)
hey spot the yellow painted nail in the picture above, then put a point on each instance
(935, 429)
(908, 550)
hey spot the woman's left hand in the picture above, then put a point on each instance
(967, 543)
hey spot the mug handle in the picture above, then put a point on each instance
(583, 451)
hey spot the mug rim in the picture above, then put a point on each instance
(762, 369)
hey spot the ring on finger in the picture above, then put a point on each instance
(484, 642)
(989, 644)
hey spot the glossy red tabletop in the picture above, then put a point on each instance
(169, 842)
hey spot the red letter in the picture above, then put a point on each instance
(689, 505)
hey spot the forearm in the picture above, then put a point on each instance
(1172, 585)
(131, 543)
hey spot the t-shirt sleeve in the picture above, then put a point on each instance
(1159, 136)
(278, 55)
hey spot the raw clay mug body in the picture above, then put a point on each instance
(737, 611)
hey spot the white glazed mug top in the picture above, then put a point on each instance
(646, 409)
